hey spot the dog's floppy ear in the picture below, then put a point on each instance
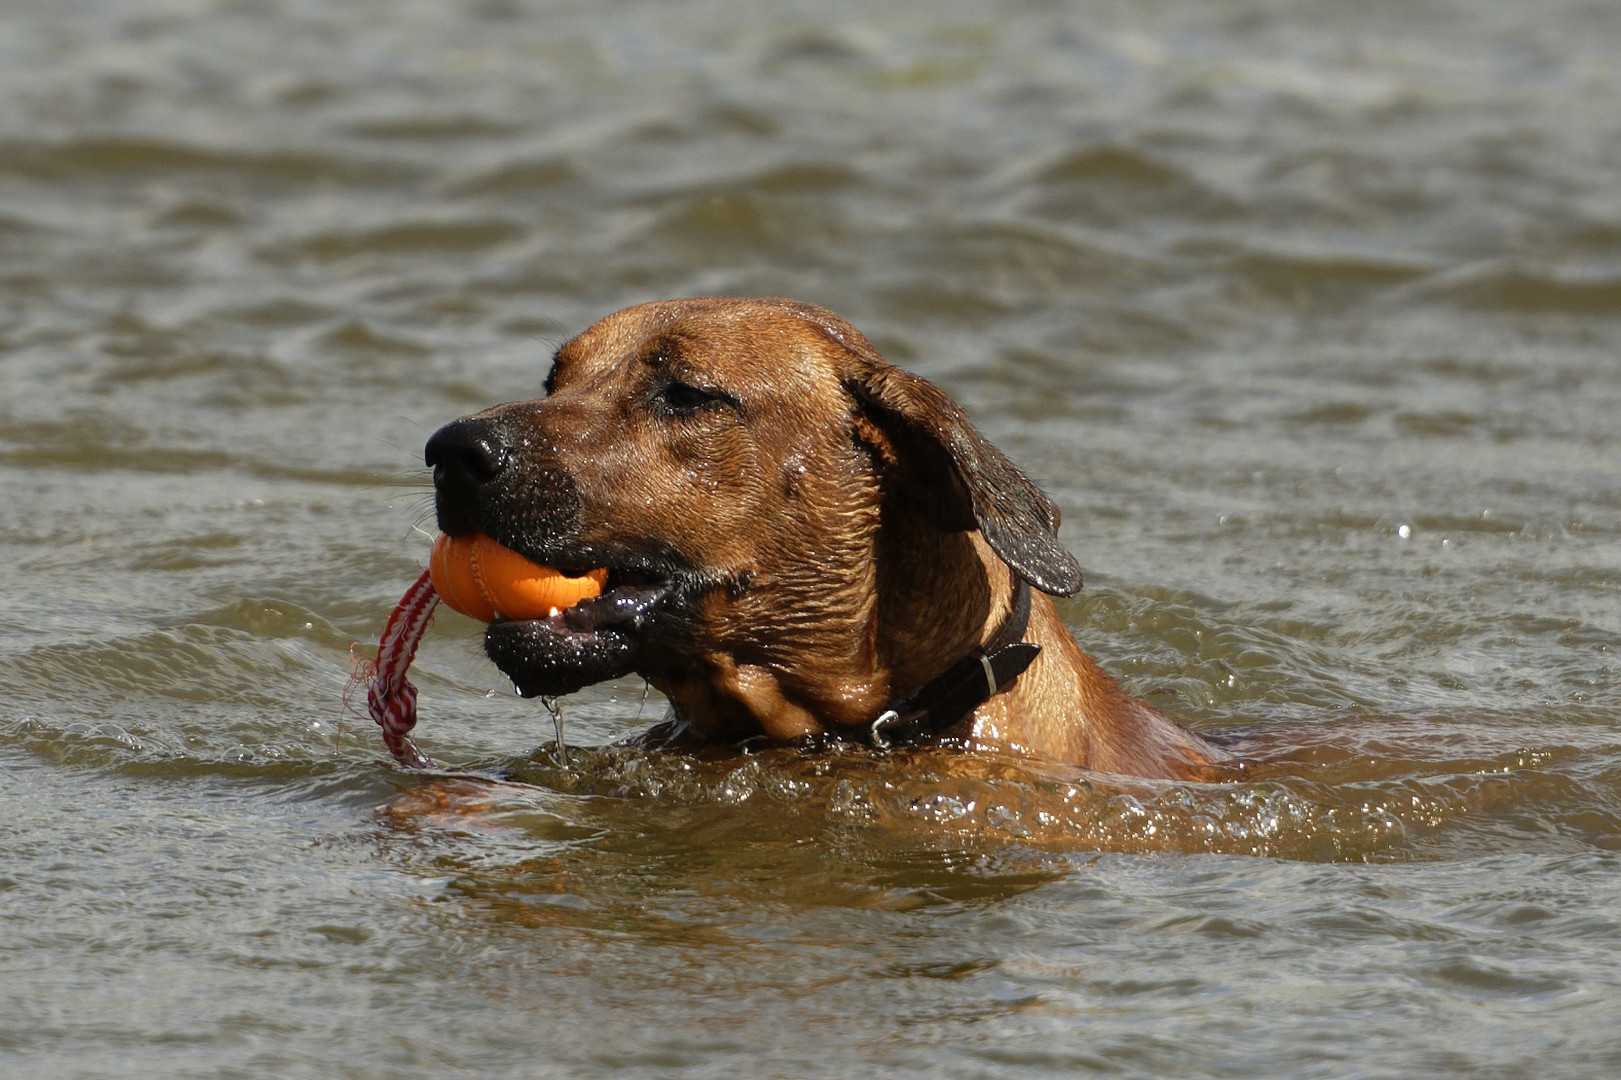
(963, 480)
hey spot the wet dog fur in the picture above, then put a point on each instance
(798, 535)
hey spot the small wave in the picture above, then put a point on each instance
(1112, 183)
(1519, 288)
(199, 214)
(516, 178)
(277, 313)
(98, 442)
(356, 336)
(402, 239)
(432, 128)
(12, 227)
(989, 269)
(94, 158)
(1320, 278)
(781, 213)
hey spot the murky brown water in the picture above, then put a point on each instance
(1309, 315)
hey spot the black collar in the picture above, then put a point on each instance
(947, 699)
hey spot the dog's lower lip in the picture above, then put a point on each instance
(601, 638)
(624, 607)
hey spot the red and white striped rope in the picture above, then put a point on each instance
(391, 700)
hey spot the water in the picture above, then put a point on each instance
(1307, 314)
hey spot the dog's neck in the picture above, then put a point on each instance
(946, 701)
(933, 599)
(940, 598)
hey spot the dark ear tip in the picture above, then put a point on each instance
(1039, 559)
(1057, 581)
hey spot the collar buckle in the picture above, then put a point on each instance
(878, 732)
(954, 695)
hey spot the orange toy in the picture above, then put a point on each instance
(485, 581)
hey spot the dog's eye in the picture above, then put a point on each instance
(681, 397)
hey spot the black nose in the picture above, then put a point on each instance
(465, 456)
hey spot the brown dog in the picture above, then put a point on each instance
(801, 540)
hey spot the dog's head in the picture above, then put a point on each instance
(733, 463)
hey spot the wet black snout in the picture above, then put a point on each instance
(466, 457)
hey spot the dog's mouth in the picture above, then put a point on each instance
(599, 638)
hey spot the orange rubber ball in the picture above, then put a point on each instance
(485, 581)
